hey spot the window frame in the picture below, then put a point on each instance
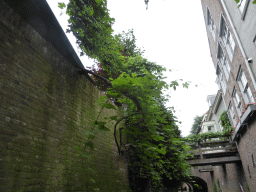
(254, 40)
(232, 114)
(243, 11)
(237, 101)
(210, 23)
(210, 128)
(223, 61)
(221, 79)
(244, 87)
(227, 38)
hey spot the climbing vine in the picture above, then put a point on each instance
(203, 137)
(216, 186)
(134, 86)
(225, 123)
(226, 132)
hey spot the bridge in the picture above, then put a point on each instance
(217, 152)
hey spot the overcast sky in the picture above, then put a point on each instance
(173, 35)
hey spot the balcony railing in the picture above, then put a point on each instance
(213, 153)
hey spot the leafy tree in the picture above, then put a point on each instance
(196, 125)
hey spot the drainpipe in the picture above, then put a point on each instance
(239, 44)
(241, 187)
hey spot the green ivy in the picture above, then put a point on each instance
(203, 137)
(216, 186)
(225, 123)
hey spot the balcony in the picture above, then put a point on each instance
(244, 119)
(213, 153)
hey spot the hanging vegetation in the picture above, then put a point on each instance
(135, 86)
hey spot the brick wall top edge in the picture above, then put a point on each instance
(40, 16)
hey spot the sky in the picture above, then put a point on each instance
(173, 34)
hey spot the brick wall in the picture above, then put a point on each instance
(247, 150)
(45, 108)
(227, 177)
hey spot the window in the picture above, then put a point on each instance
(242, 5)
(223, 61)
(210, 128)
(221, 80)
(245, 89)
(232, 113)
(210, 24)
(227, 38)
(237, 102)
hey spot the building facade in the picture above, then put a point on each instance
(211, 120)
(231, 31)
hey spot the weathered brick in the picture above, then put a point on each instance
(45, 108)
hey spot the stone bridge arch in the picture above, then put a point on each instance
(195, 181)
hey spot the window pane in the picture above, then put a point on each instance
(243, 80)
(221, 55)
(227, 65)
(250, 96)
(226, 68)
(241, 5)
(211, 24)
(224, 86)
(232, 42)
(232, 113)
(209, 17)
(237, 98)
(225, 30)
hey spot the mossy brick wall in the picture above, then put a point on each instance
(45, 108)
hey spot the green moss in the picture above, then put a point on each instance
(41, 155)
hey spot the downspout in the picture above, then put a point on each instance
(239, 44)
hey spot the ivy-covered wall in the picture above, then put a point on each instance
(46, 107)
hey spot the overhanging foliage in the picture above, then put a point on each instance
(156, 150)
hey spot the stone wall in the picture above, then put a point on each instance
(46, 107)
(226, 177)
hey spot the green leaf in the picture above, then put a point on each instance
(108, 106)
(87, 155)
(89, 133)
(92, 180)
(114, 118)
(89, 144)
(185, 85)
(61, 5)
(78, 148)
